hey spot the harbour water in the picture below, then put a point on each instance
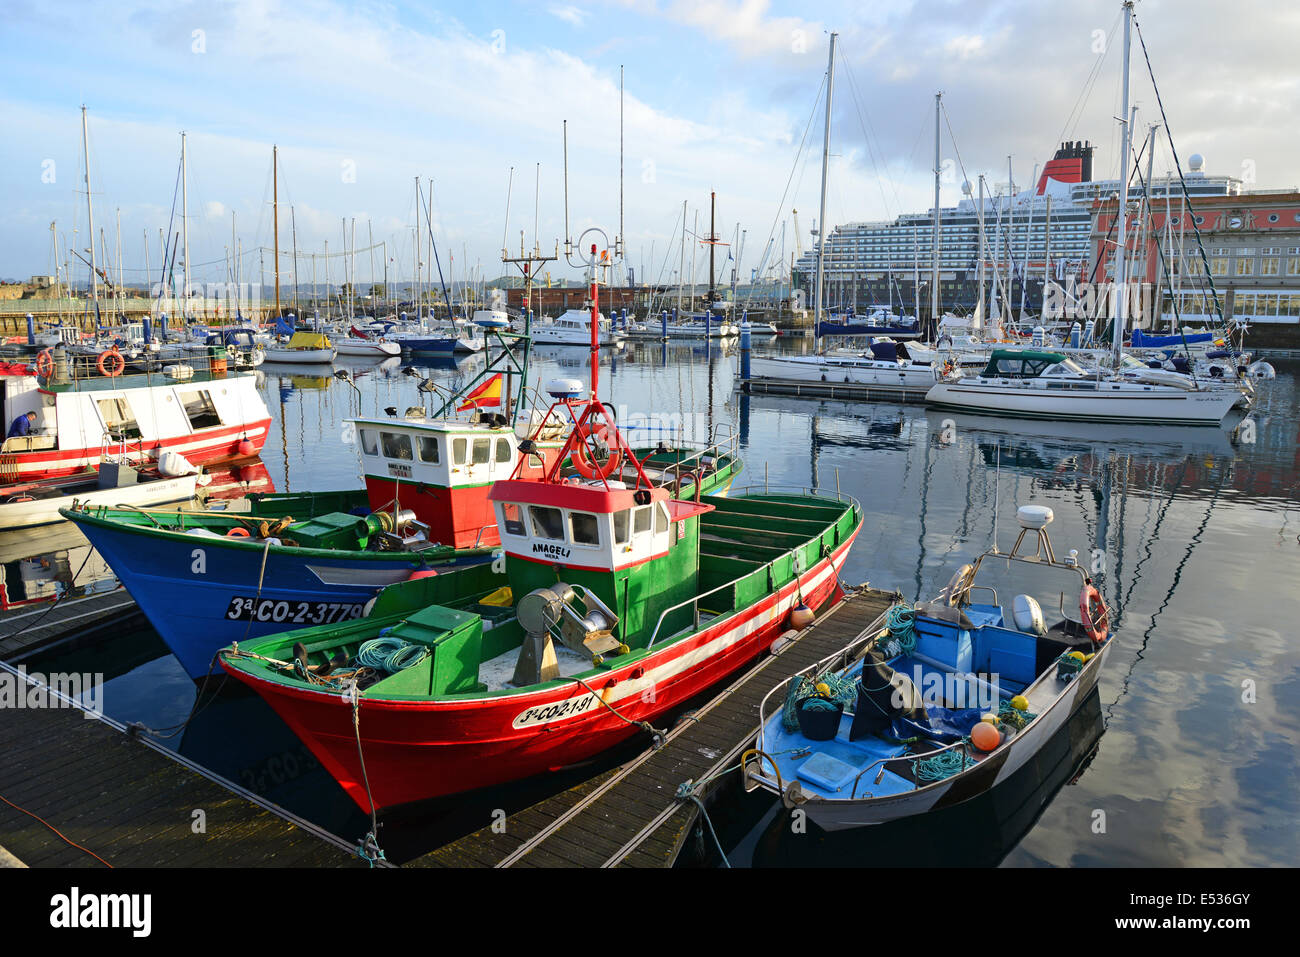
(1195, 532)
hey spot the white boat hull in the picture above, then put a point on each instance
(299, 356)
(871, 373)
(45, 511)
(1109, 402)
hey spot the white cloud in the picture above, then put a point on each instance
(568, 13)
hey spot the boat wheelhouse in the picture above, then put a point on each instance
(573, 328)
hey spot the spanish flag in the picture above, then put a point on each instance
(486, 393)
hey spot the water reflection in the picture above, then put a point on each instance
(1196, 532)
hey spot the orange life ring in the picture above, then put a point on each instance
(45, 364)
(237, 532)
(111, 357)
(1097, 625)
(584, 463)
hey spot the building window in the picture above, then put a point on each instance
(1272, 217)
(1269, 266)
(1200, 220)
(1218, 266)
(1245, 267)
(1293, 266)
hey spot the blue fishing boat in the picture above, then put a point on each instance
(207, 578)
(942, 703)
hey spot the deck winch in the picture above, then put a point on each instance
(549, 613)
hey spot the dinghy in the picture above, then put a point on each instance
(941, 704)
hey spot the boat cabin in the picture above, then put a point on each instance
(441, 470)
(637, 552)
(1027, 364)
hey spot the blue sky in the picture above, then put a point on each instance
(362, 98)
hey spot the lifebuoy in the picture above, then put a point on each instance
(237, 532)
(45, 364)
(1097, 625)
(111, 358)
(584, 463)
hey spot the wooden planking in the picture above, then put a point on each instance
(24, 632)
(133, 805)
(616, 826)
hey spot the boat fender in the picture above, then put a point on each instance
(1028, 615)
(237, 532)
(1095, 614)
(110, 359)
(45, 364)
(801, 617)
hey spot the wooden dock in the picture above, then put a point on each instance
(833, 390)
(131, 802)
(633, 816)
(83, 618)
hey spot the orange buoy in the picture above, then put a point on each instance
(985, 737)
(246, 447)
(237, 532)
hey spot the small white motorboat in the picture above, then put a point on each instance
(302, 347)
(27, 504)
(368, 348)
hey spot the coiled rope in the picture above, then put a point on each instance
(390, 654)
(942, 765)
(900, 621)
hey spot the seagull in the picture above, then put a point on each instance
(392, 411)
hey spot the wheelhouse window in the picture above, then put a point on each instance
(514, 518)
(458, 449)
(661, 518)
(503, 450)
(482, 451)
(396, 445)
(200, 409)
(429, 449)
(641, 520)
(369, 442)
(119, 420)
(547, 522)
(584, 528)
(620, 527)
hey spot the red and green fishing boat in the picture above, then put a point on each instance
(623, 603)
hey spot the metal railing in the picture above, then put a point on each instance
(766, 566)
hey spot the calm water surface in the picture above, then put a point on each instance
(1186, 756)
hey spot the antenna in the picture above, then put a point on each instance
(618, 241)
(505, 228)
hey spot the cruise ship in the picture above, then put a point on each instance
(875, 264)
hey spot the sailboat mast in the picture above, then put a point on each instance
(275, 221)
(826, 154)
(185, 231)
(934, 246)
(293, 231)
(90, 213)
(1121, 237)
(713, 240)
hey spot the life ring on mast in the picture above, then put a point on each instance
(1096, 624)
(45, 364)
(110, 358)
(586, 464)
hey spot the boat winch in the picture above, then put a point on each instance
(581, 621)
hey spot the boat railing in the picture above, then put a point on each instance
(694, 602)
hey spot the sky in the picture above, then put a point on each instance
(725, 95)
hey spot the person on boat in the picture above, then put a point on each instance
(22, 425)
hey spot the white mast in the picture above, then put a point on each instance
(934, 246)
(185, 234)
(90, 213)
(826, 153)
(1121, 233)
